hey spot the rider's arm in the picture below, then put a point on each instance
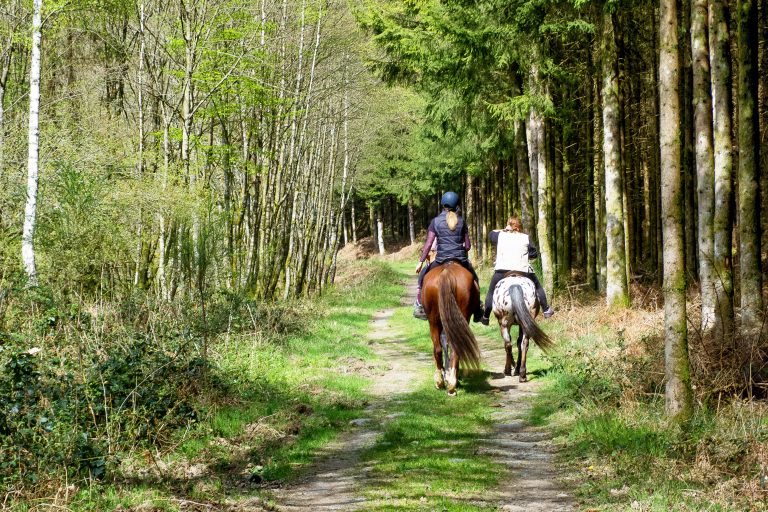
(467, 241)
(430, 239)
(494, 236)
(532, 252)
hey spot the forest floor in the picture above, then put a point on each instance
(346, 476)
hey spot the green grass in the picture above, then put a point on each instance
(620, 450)
(286, 400)
(426, 457)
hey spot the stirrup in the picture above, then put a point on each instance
(418, 312)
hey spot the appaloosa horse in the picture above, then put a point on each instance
(515, 303)
(448, 294)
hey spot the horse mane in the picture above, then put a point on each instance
(452, 220)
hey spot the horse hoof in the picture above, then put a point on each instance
(507, 372)
(523, 379)
(451, 392)
(516, 373)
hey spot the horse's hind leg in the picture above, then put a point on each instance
(522, 359)
(519, 351)
(508, 349)
(437, 354)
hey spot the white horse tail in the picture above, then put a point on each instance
(526, 321)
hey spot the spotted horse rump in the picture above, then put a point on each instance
(502, 298)
(515, 303)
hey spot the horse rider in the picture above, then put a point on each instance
(452, 244)
(513, 250)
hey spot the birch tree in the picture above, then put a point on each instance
(30, 208)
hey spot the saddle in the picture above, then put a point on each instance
(516, 273)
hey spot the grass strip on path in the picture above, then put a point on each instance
(426, 457)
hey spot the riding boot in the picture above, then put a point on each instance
(486, 316)
(479, 308)
(418, 309)
(541, 295)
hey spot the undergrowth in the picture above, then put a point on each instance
(604, 399)
(119, 403)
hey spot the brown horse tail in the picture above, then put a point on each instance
(460, 337)
(526, 321)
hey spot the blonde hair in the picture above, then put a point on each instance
(452, 220)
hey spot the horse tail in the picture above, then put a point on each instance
(526, 321)
(460, 337)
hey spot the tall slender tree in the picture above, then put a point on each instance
(749, 172)
(705, 173)
(679, 402)
(30, 208)
(719, 41)
(617, 293)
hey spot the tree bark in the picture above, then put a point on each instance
(749, 185)
(678, 396)
(524, 180)
(705, 174)
(30, 208)
(617, 293)
(722, 267)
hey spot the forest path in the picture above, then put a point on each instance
(334, 481)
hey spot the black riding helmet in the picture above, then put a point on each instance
(450, 200)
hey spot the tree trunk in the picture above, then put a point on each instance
(524, 180)
(616, 277)
(30, 208)
(749, 191)
(380, 226)
(705, 174)
(720, 64)
(411, 227)
(678, 402)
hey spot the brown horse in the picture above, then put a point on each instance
(515, 303)
(448, 294)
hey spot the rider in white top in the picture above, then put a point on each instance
(513, 250)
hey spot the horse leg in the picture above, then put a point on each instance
(519, 350)
(437, 354)
(507, 348)
(524, 353)
(451, 375)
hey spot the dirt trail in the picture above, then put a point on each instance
(532, 485)
(334, 480)
(332, 483)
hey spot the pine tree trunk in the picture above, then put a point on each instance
(524, 180)
(705, 174)
(616, 276)
(720, 63)
(678, 403)
(30, 208)
(542, 226)
(749, 198)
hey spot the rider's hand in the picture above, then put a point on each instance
(418, 267)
